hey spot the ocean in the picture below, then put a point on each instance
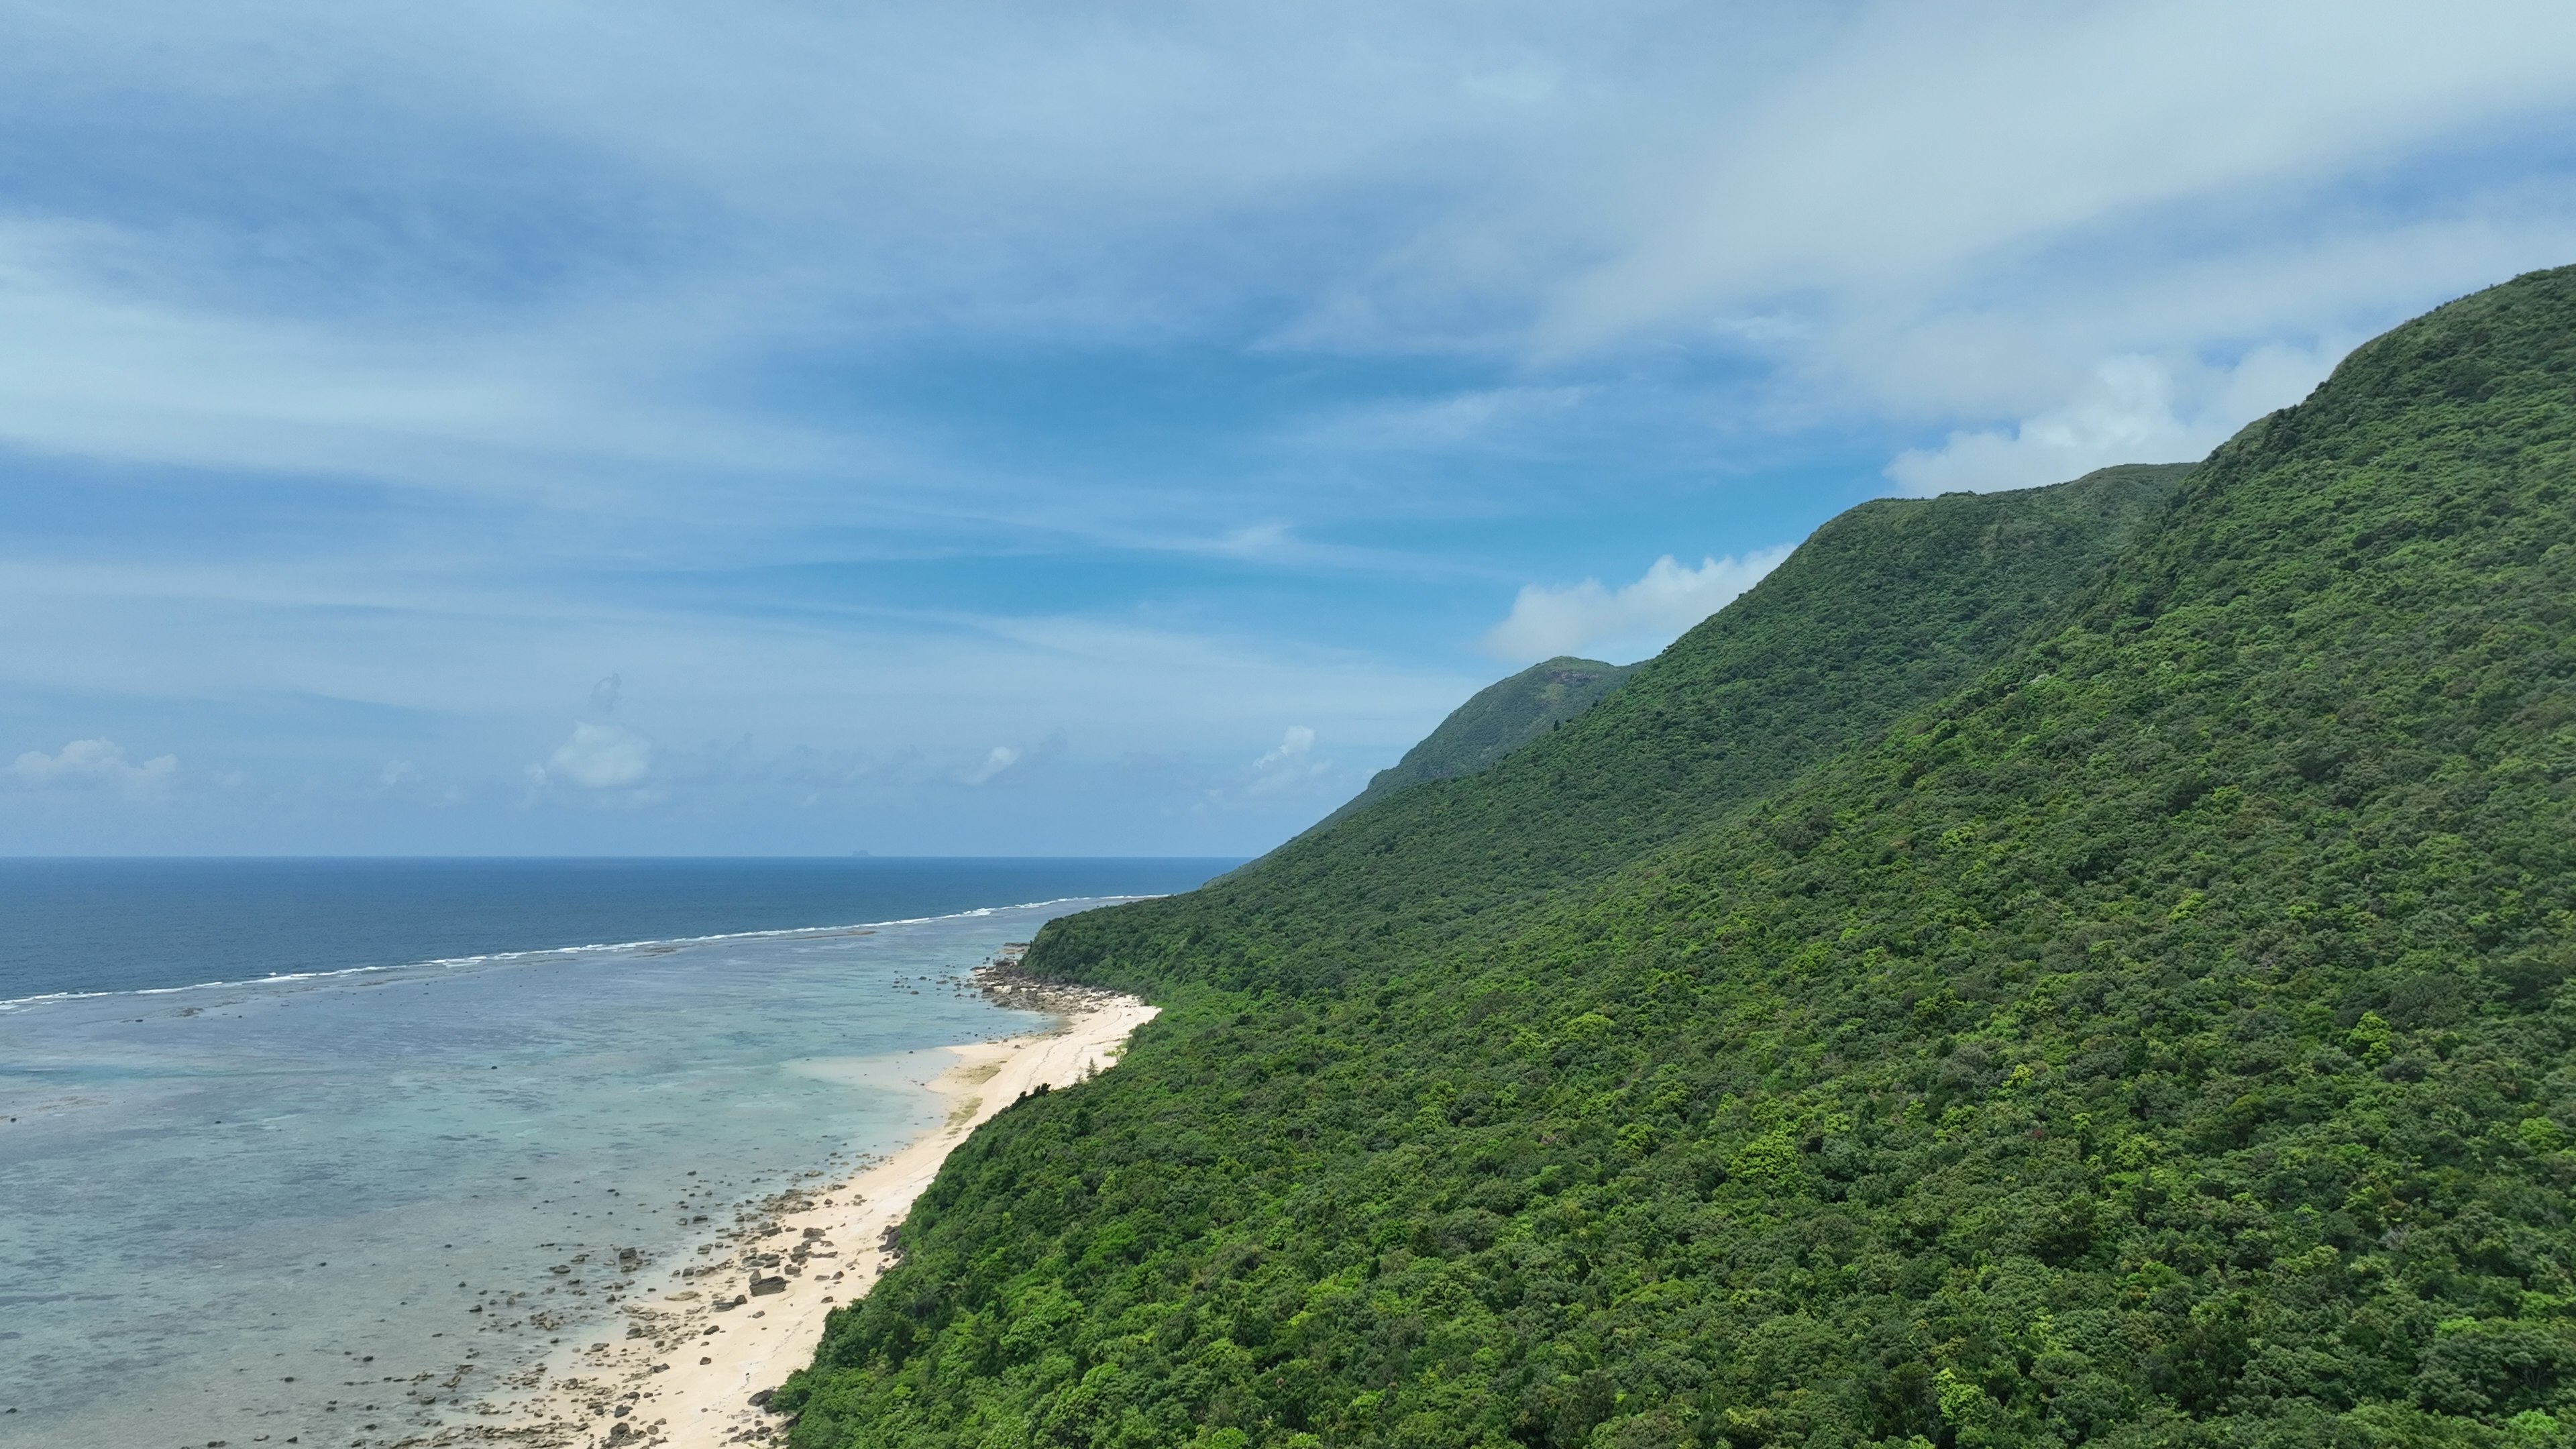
(272, 1132)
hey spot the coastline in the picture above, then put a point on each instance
(707, 1331)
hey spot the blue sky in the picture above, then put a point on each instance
(1080, 429)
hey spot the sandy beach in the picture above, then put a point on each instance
(696, 1339)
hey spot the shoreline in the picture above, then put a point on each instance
(746, 1307)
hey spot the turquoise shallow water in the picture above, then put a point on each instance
(271, 1209)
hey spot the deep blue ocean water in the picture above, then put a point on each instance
(264, 1121)
(122, 925)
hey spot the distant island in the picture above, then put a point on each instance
(2079, 965)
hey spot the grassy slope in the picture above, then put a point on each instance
(1502, 717)
(1887, 607)
(2159, 1039)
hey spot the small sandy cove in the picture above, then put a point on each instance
(685, 1377)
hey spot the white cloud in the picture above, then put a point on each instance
(1417, 178)
(1638, 619)
(2134, 410)
(93, 764)
(1016, 761)
(598, 757)
(1910, 146)
(118, 360)
(1289, 765)
(998, 760)
(633, 251)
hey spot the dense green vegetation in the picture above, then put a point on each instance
(1502, 717)
(1886, 608)
(2159, 1036)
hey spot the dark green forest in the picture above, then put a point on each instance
(2080, 966)
(1888, 607)
(1500, 718)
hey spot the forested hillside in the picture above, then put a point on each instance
(1500, 718)
(1886, 608)
(2155, 1033)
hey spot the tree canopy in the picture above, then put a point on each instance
(2079, 966)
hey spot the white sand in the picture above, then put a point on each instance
(690, 1404)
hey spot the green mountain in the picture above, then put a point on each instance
(2150, 1028)
(1499, 719)
(1885, 608)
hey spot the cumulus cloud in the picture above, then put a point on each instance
(1290, 764)
(93, 764)
(2132, 410)
(597, 757)
(1637, 619)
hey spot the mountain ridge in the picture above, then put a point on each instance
(2157, 1035)
(1886, 606)
(1496, 720)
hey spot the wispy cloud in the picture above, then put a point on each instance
(2147, 107)
(996, 760)
(719, 191)
(111, 358)
(879, 388)
(1474, 420)
(1009, 761)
